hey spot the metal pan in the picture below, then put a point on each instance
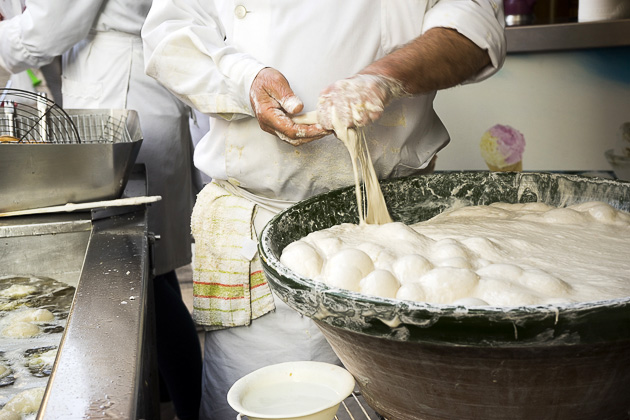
(97, 168)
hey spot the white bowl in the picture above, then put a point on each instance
(620, 164)
(291, 391)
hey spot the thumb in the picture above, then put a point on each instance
(291, 104)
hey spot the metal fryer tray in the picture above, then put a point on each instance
(34, 175)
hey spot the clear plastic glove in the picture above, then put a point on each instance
(358, 100)
(274, 103)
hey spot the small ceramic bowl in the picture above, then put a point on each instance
(620, 164)
(291, 391)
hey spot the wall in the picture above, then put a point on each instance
(568, 105)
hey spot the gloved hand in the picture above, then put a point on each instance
(274, 102)
(358, 100)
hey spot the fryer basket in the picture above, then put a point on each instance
(97, 167)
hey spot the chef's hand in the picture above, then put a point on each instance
(358, 100)
(274, 102)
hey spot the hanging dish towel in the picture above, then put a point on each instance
(229, 286)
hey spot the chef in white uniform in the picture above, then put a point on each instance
(252, 65)
(103, 67)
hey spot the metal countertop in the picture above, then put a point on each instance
(105, 367)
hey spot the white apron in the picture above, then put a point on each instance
(106, 70)
(280, 336)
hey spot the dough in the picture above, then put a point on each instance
(502, 255)
(16, 291)
(347, 267)
(31, 315)
(470, 301)
(353, 258)
(380, 283)
(447, 284)
(303, 259)
(354, 139)
(448, 248)
(20, 329)
(9, 415)
(25, 402)
(411, 291)
(409, 268)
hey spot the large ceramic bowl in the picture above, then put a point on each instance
(416, 360)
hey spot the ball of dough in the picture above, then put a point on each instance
(303, 259)
(536, 207)
(544, 283)
(411, 291)
(409, 268)
(447, 284)
(9, 415)
(380, 283)
(601, 212)
(456, 262)
(329, 246)
(504, 293)
(26, 402)
(16, 291)
(448, 248)
(31, 315)
(482, 247)
(564, 216)
(400, 232)
(470, 301)
(20, 330)
(378, 254)
(343, 277)
(351, 257)
(501, 271)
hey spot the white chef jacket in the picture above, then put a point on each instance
(209, 51)
(103, 67)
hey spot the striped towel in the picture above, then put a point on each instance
(229, 286)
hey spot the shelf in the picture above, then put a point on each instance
(568, 36)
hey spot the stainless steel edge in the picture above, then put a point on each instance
(568, 36)
(97, 373)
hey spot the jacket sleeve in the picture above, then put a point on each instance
(46, 29)
(185, 51)
(481, 21)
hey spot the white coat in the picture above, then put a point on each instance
(103, 67)
(208, 52)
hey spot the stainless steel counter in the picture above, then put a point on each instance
(106, 362)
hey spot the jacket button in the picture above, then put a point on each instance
(240, 11)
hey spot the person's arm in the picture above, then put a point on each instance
(441, 58)
(46, 29)
(471, 48)
(185, 51)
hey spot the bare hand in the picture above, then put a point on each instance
(358, 100)
(274, 102)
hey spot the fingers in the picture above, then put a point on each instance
(274, 102)
(357, 101)
(291, 132)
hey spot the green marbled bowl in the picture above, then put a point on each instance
(416, 360)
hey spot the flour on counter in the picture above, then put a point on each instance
(499, 255)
